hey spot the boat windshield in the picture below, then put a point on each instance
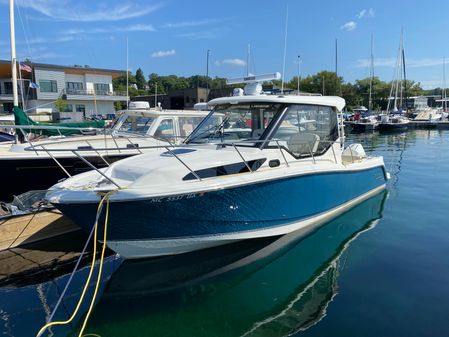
(235, 122)
(134, 124)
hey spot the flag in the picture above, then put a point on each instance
(33, 85)
(25, 67)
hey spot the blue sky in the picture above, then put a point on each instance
(173, 36)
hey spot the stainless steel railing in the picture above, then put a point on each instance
(171, 147)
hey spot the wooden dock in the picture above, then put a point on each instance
(429, 125)
(24, 229)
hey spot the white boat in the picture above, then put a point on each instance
(250, 169)
(428, 114)
(31, 165)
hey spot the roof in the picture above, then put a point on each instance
(69, 68)
(333, 101)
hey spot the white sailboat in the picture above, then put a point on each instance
(394, 119)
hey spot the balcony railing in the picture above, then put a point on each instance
(91, 92)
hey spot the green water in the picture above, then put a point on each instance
(380, 269)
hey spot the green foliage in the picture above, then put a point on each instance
(60, 104)
(323, 82)
(140, 79)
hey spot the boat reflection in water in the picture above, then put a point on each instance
(33, 277)
(258, 287)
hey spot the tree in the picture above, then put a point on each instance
(60, 104)
(140, 79)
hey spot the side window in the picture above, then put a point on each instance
(188, 124)
(166, 130)
(307, 129)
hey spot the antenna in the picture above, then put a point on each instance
(253, 83)
(299, 70)
(371, 74)
(247, 59)
(127, 76)
(207, 72)
(285, 51)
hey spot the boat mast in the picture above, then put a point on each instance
(127, 76)
(443, 93)
(13, 54)
(370, 99)
(247, 59)
(405, 76)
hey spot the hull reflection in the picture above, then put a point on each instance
(33, 277)
(259, 287)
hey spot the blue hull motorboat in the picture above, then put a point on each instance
(257, 166)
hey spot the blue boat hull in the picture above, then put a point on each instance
(254, 207)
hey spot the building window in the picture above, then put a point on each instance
(101, 88)
(68, 108)
(187, 99)
(48, 86)
(74, 87)
(80, 108)
(8, 88)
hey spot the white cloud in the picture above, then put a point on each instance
(348, 26)
(65, 10)
(163, 53)
(132, 28)
(209, 34)
(217, 63)
(190, 23)
(365, 13)
(234, 62)
(137, 28)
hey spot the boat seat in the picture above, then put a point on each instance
(303, 143)
(257, 133)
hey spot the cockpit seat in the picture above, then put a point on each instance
(303, 143)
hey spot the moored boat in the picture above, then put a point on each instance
(257, 166)
(393, 123)
(32, 166)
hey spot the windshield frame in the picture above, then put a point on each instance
(279, 111)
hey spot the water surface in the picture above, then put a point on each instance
(380, 269)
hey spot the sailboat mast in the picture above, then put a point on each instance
(13, 54)
(443, 93)
(370, 98)
(405, 77)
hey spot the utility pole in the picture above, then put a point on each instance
(155, 95)
(299, 70)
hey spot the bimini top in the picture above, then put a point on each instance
(333, 101)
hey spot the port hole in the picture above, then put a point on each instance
(274, 163)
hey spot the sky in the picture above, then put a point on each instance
(173, 36)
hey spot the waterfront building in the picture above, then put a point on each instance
(86, 91)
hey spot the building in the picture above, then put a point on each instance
(87, 91)
(178, 99)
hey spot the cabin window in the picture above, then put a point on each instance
(165, 130)
(188, 124)
(136, 124)
(235, 122)
(307, 129)
(48, 86)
